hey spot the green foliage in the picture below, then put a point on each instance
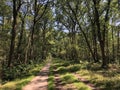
(61, 70)
(81, 86)
(20, 71)
(7, 10)
(63, 67)
(19, 79)
(68, 78)
(65, 71)
(51, 84)
(102, 78)
(74, 68)
(66, 29)
(16, 84)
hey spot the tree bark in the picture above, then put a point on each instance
(100, 34)
(12, 45)
(113, 46)
(16, 8)
(44, 42)
(118, 44)
(20, 38)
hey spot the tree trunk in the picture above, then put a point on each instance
(12, 45)
(44, 42)
(100, 34)
(27, 50)
(84, 34)
(20, 39)
(3, 22)
(102, 45)
(94, 36)
(113, 47)
(118, 45)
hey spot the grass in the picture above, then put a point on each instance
(105, 79)
(68, 78)
(17, 84)
(51, 85)
(65, 70)
(63, 67)
(71, 80)
(81, 86)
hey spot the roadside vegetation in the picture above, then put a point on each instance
(102, 79)
(20, 79)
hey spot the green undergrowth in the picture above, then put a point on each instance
(68, 78)
(64, 66)
(105, 79)
(16, 84)
(81, 86)
(20, 70)
(23, 78)
(51, 85)
(65, 70)
(71, 79)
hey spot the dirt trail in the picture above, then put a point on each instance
(40, 81)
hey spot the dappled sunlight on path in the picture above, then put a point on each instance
(40, 81)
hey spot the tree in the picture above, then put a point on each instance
(16, 8)
(22, 14)
(36, 18)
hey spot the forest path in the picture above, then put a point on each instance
(40, 81)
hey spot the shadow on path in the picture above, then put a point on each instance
(40, 81)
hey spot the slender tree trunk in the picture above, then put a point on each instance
(102, 44)
(101, 35)
(94, 36)
(118, 45)
(105, 33)
(44, 41)
(113, 47)
(88, 44)
(33, 30)
(3, 21)
(84, 34)
(21, 35)
(16, 7)
(107, 47)
(27, 50)
(20, 39)
(12, 45)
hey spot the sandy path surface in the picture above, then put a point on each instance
(39, 82)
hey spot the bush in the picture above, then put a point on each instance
(17, 71)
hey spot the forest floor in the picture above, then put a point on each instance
(60, 74)
(25, 78)
(69, 75)
(40, 81)
(61, 78)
